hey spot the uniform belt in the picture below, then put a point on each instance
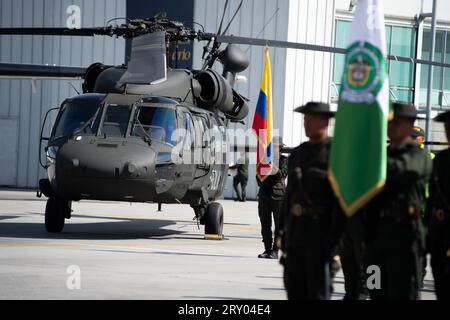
(441, 214)
(400, 212)
(394, 213)
(299, 210)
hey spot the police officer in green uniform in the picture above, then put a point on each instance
(438, 217)
(418, 135)
(241, 177)
(270, 199)
(396, 239)
(310, 210)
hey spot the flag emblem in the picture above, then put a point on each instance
(365, 70)
(358, 73)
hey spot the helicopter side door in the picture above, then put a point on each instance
(219, 153)
(202, 150)
(187, 168)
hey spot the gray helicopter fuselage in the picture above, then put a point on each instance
(138, 146)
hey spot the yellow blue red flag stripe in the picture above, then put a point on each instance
(262, 124)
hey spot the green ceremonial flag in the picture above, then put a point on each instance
(357, 169)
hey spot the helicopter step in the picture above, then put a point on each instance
(213, 220)
(56, 211)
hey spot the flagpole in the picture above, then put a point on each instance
(430, 74)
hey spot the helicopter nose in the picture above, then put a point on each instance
(106, 170)
(127, 163)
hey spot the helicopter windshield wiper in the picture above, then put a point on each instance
(147, 137)
(84, 126)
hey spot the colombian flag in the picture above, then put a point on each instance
(262, 124)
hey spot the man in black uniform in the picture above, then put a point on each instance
(241, 177)
(310, 211)
(438, 217)
(270, 198)
(418, 135)
(395, 238)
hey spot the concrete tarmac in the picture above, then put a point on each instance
(112, 250)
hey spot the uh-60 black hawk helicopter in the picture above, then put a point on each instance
(136, 132)
(133, 132)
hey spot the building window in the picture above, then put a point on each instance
(440, 93)
(400, 41)
(341, 35)
(401, 74)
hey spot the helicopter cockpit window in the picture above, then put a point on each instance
(75, 116)
(155, 123)
(116, 119)
(189, 138)
(201, 130)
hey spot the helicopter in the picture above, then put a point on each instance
(134, 132)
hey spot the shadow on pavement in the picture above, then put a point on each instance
(8, 217)
(172, 253)
(23, 199)
(200, 254)
(119, 229)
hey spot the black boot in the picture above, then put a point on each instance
(265, 254)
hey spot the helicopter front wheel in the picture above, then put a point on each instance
(55, 213)
(214, 221)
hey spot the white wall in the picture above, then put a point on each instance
(307, 72)
(407, 8)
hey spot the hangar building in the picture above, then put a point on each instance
(298, 75)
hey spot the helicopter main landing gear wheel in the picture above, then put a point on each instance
(214, 221)
(56, 211)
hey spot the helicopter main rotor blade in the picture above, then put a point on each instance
(83, 32)
(277, 44)
(313, 47)
(21, 71)
(135, 28)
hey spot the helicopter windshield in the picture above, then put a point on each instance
(116, 119)
(155, 123)
(74, 116)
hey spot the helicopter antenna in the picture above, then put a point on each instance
(223, 16)
(214, 52)
(190, 89)
(176, 55)
(232, 18)
(73, 87)
(114, 19)
(264, 27)
(203, 28)
(205, 48)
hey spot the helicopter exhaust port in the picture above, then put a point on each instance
(216, 91)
